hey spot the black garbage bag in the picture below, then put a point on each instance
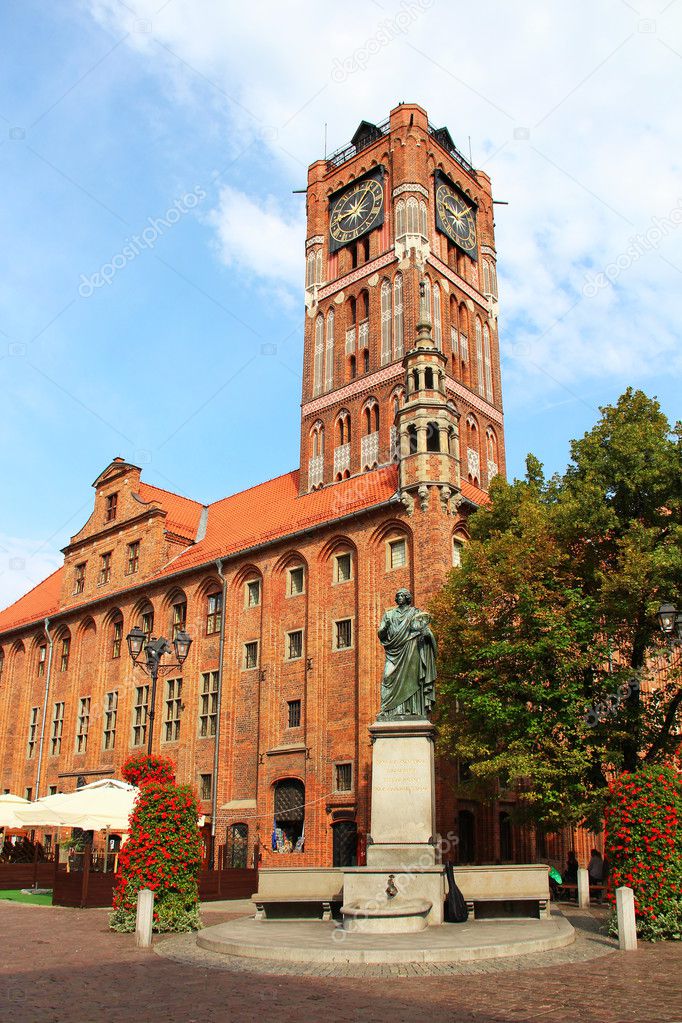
(456, 911)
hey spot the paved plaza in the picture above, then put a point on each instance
(62, 965)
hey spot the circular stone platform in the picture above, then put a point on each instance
(321, 942)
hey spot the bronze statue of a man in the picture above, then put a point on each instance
(408, 684)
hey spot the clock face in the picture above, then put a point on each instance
(456, 218)
(355, 212)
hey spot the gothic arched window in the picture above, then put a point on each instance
(412, 216)
(423, 220)
(487, 360)
(319, 354)
(329, 353)
(480, 386)
(385, 322)
(437, 325)
(399, 219)
(398, 329)
(473, 452)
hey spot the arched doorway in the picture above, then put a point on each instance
(345, 843)
(289, 815)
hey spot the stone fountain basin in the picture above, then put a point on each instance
(393, 916)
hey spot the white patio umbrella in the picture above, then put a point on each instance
(104, 805)
(9, 804)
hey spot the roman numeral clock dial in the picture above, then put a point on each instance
(356, 212)
(456, 218)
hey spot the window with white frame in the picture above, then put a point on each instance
(251, 654)
(343, 567)
(32, 732)
(343, 634)
(57, 729)
(253, 592)
(172, 710)
(457, 548)
(140, 710)
(82, 724)
(110, 714)
(294, 645)
(214, 613)
(295, 581)
(208, 704)
(397, 552)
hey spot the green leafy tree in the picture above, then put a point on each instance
(546, 630)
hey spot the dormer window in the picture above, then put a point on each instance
(110, 505)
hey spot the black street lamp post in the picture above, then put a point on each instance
(154, 649)
(670, 621)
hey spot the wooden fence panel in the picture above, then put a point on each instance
(232, 883)
(14, 876)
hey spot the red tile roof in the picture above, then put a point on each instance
(183, 513)
(40, 602)
(263, 513)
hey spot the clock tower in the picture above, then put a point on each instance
(401, 357)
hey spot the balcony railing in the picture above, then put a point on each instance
(346, 152)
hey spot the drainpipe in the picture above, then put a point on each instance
(216, 751)
(48, 672)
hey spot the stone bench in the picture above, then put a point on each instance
(508, 890)
(298, 893)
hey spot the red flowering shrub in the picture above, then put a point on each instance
(141, 768)
(163, 852)
(644, 847)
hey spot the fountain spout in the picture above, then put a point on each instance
(391, 888)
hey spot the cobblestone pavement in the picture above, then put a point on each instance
(60, 965)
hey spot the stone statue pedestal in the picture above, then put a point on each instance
(401, 849)
(403, 822)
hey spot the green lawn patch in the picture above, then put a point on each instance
(18, 896)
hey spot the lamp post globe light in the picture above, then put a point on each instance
(670, 622)
(154, 649)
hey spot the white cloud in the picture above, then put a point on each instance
(598, 88)
(255, 238)
(23, 564)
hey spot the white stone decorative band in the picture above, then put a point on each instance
(410, 186)
(365, 383)
(318, 239)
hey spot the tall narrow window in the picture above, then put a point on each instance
(32, 732)
(385, 322)
(147, 622)
(343, 634)
(253, 593)
(110, 713)
(399, 219)
(116, 638)
(294, 645)
(397, 553)
(140, 709)
(427, 292)
(82, 724)
(173, 710)
(42, 656)
(57, 729)
(398, 331)
(480, 386)
(79, 578)
(487, 363)
(208, 704)
(133, 557)
(214, 613)
(423, 220)
(179, 617)
(310, 270)
(105, 568)
(251, 654)
(437, 325)
(293, 713)
(205, 786)
(329, 353)
(66, 650)
(412, 216)
(110, 506)
(319, 354)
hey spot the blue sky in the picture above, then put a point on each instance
(114, 114)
